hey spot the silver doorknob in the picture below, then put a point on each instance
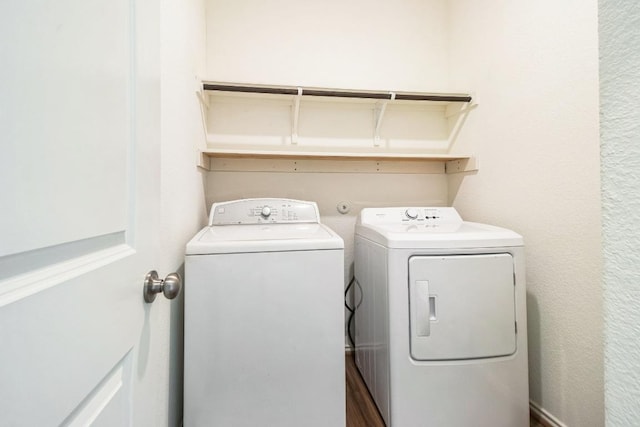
(153, 285)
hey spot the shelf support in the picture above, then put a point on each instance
(460, 110)
(202, 97)
(296, 114)
(380, 114)
(204, 107)
(470, 164)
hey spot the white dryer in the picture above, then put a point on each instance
(264, 320)
(440, 323)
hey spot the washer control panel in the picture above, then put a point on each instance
(411, 215)
(263, 211)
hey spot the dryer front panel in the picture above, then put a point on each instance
(461, 306)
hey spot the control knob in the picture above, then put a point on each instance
(411, 213)
(266, 211)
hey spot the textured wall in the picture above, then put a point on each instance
(620, 135)
(534, 67)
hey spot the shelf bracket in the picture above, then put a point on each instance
(472, 164)
(202, 97)
(379, 115)
(460, 110)
(296, 114)
(204, 107)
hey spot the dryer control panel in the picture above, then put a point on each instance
(264, 211)
(405, 215)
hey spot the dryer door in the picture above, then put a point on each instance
(462, 306)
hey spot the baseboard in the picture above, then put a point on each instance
(543, 416)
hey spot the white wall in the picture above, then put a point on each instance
(182, 188)
(356, 44)
(534, 67)
(620, 134)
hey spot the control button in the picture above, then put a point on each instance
(266, 211)
(411, 213)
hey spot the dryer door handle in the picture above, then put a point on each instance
(420, 305)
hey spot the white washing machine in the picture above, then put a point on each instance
(264, 321)
(440, 323)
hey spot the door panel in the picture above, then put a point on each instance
(109, 404)
(461, 306)
(79, 172)
(65, 120)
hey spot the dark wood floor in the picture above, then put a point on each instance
(361, 411)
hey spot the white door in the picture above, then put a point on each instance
(79, 172)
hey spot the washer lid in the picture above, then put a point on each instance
(220, 239)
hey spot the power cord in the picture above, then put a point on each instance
(352, 311)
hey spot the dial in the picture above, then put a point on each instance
(266, 211)
(411, 213)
